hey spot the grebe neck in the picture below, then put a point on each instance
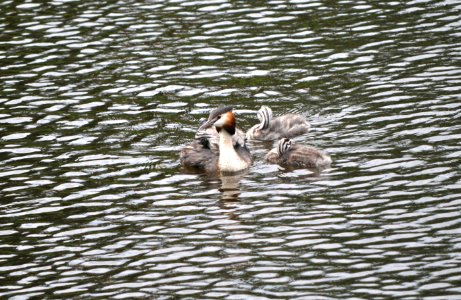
(265, 116)
(229, 159)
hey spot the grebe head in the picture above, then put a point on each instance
(225, 121)
(283, 146)
(214, 116)
(264, 116)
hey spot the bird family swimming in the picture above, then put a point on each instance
(220, 147)
(286, 126)
(291, 155)
(229, 156)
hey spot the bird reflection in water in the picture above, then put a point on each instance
(230, 187)
(230, 192)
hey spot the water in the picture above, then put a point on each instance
(97, 99)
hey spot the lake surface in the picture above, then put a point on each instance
(97, 98)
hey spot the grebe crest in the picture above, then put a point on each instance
(225, 121)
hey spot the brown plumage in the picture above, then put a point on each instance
(292, 155)
(200, 155)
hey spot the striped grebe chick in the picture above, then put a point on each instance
(286, 126)
(228, 157)
(292, 155)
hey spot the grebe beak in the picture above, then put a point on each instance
(214, 116)
(206, 125)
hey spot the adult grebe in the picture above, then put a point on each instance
(288, 154)
(208, 131)
(228, 157)
(286, 126)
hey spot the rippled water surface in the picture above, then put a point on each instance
(97, 98)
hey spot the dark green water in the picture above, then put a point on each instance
(97, 98)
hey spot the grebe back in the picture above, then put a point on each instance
(289, 154)
(286, 126)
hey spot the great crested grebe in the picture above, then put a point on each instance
(286, 126)
(228, 157)
(208, 131)
(289, 154)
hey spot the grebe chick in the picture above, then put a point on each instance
(227, 158)
(289, 154)
(286, 126)
(200, 155)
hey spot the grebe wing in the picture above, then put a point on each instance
(209, 138)
(198, 155)
(273, 157)
(308, 157)
(239, 138)
(244, 153)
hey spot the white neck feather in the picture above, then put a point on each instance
(229, 160)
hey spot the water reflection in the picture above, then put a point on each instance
(229, 189)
